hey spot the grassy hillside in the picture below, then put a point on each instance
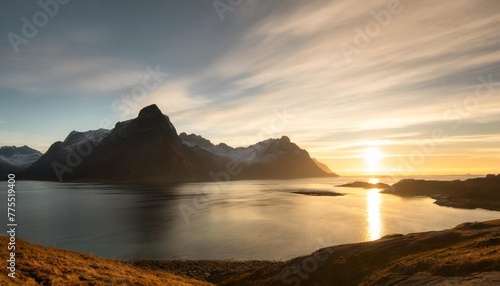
(38, 265)
(466, 255)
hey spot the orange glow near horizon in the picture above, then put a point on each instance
(372, 159)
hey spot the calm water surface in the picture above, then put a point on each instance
(235, 220)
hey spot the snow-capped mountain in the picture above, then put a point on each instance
(272, 158)
(76, 138)
(147, 149)
(266, 150)
(64, 157)
(20, 157)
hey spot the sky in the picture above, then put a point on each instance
(372, 87)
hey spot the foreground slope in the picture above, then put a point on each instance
(468, 254)
(38, 265)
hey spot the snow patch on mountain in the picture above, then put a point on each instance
(21, 157)
(263, 151)
(76, 138)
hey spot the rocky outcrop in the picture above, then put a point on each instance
(469, 194)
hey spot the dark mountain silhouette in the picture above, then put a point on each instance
(148, 148)
(270, 159)
(7, 168)
(323, 167)
(63, 157)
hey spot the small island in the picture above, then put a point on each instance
(318, 193)
(365, 185)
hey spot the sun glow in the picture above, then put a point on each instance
(373, 156)
(373, 181)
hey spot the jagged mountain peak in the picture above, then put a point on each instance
(8, 151)
(150, 111)
(263, 151)
(19, 157)
(150, 119)
(195, 140)
(285, 139)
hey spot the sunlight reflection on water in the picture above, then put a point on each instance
(373, 215)
(240, 220)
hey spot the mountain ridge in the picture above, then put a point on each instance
(149, 149)
(15, 159)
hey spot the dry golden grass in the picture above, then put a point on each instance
(474, 251)
(466, 255)
(38, 265)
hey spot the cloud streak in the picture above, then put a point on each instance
(420, 72)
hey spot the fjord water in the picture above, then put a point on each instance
(233, 220)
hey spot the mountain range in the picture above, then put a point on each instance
(14, 159)
(149, 149)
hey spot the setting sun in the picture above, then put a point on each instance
(373, 157)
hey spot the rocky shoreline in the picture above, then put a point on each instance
(469, 194)
(460, 203)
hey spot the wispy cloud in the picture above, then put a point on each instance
(64, 66)
(419, 72)
(88, 75)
